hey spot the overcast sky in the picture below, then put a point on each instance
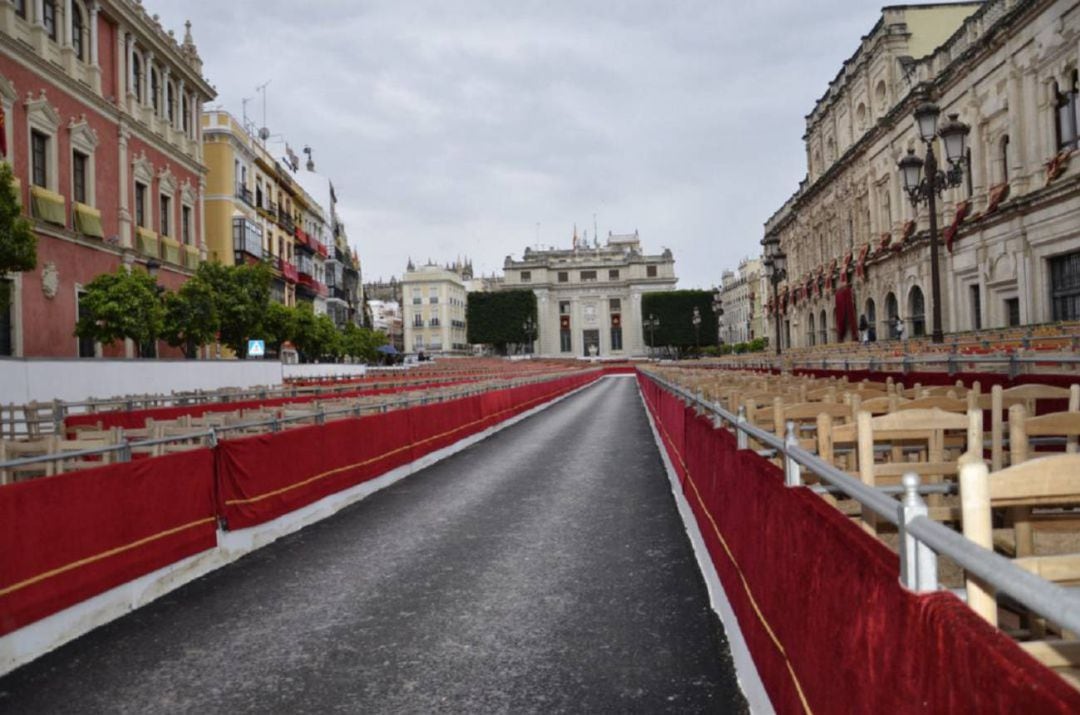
(454, 128)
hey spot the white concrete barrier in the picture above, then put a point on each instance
(73, 380)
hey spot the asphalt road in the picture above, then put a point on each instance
(545, 569)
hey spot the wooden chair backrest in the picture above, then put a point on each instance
(948, 404)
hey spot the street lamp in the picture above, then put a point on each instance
(651, 324)
(718, 310)
(923, 181)
(529, 328)
(775, 271)
(695, 320)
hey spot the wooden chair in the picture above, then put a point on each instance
(22, 449)
(1047, 481)
(805, 416)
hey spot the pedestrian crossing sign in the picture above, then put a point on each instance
(256, 348)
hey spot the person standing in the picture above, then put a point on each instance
(864, 330)
(898, 327)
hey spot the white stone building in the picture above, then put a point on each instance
(433, 310)
(741, 296)
(1010, 232)
(589, 297)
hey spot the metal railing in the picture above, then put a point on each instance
(319, 415)
(954, 363)
(921, 539)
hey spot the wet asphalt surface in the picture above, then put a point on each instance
(544, 569)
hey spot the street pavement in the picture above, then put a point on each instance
(544, 569)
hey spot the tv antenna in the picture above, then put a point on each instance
(264, 132)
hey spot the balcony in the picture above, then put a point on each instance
(191, 258)
(170, 249)
(244, 194)
(286, 221)
(288, 270)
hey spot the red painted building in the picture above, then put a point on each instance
(101, 119)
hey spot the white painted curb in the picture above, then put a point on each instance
(36, 639)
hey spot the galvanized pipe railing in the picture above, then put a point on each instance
(921, 538)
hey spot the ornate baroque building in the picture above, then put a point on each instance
(589, 297)
(1010, 233)
(101, 127)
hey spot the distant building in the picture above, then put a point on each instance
(434, 308)
(589, 297)
(742, 320)
(386, 318)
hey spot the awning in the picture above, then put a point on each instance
(88, 221)
(170, 249)
(48, 205)
(146, 241)
(387, 350)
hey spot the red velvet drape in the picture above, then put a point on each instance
(844, 315)
(819, 602)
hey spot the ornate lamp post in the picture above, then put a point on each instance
(651, 324)
(923, 181)
(529, 328)
(718, 310)
(695, 320)
(775, 271)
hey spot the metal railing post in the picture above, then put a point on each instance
(124, 453)
(792, 469)
(742, 440)
(211, 438)
(1014, 366)
(952, 363)
(918, 563)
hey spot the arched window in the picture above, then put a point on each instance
(1005, 158)
(823, 329)
(917, 311)
(137, 76)
(1066, 106)
(185, 115)
(871, 316)
(48, 18)
(891, 311)
(810, 330)
(20, 8)
(77, 27)
(170, 102)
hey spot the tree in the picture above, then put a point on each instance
(675, 310)
(278, 325)
(362, 343)
(191, 318)
(242, 296)
(18, 244)
(121, 305)
(499, 318)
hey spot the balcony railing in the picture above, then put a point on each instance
(288, 270)
(244, 194)
(286, 220)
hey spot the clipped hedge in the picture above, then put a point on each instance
(497, 318)
(675, 310)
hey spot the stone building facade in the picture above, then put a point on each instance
(100, 108)
(589, 297)
(741, 294)
(433, 311)
(1010, 233)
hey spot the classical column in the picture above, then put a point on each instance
(163, 101)
(147, 85)
(129, 58)
(65, 25)
(95, 65)
(202, 217)
(178, 115)
(124, 188)
(39, 13)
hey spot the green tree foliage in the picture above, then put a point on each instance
(675, 309)
(362, 343)
(315, 336)
(497, 318)
(278, 325)
(191, 318)
(121, 305)
(18, 244)
(242, 295)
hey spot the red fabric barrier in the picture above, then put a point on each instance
(265, 476)
(819, 602)
(69, 537)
